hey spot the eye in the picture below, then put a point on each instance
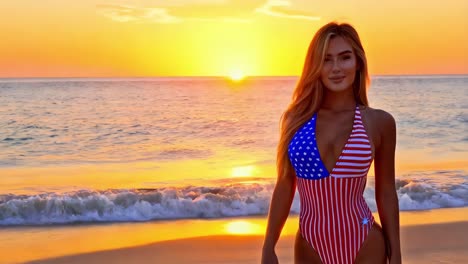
(327, 59)
(346, 57)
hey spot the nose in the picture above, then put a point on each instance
(336, 66)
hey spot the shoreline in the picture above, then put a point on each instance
(166, 241)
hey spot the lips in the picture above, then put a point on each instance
(336, 78)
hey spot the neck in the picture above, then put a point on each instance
(338, 101)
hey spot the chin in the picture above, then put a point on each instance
(338, 88)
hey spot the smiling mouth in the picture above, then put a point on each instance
(336, 79)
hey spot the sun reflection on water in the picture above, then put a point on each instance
(242, 227)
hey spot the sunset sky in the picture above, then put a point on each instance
(92, 38)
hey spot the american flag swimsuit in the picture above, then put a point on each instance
(334, 217)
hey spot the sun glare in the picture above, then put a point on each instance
(237, 75)
(242, 228)
(244, 171)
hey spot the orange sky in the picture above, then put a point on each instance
(53, 38)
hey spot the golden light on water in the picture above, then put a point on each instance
(243, 171)
(242, 227)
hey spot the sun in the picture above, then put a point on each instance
(236, 75)
(243, 171)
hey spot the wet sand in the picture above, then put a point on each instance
(427, 243)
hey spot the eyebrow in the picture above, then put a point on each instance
(341, 53)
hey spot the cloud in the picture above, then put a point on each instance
(168, 3)
(177, 11)
(127, 13)
(123, 13)
(222, 19)
(279, 8)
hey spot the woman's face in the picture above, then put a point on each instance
(339, 66)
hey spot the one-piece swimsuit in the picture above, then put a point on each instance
(334, 216)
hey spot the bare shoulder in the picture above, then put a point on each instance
(381, 119)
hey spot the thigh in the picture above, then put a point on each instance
(373, 249)
(304, 252)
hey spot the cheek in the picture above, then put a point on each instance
(324, 77)
(325, 70)
(350, 65)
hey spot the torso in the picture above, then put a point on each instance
(331, 154)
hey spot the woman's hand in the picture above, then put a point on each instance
(269, 256)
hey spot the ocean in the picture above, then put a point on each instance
(113, 150)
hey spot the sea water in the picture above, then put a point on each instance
(140, 149)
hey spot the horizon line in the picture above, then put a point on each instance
(207, 76)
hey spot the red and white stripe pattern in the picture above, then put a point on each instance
(356, 157)
(334, 218)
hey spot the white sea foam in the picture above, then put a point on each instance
(414, 192)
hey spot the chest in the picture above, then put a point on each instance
(339, 134)
(332, 132)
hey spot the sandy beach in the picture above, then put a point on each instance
(431, 242)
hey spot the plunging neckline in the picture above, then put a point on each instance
(329, 172)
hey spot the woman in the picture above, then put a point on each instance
(329, 138)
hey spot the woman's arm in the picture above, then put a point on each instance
(385, 191)
(280, 205)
